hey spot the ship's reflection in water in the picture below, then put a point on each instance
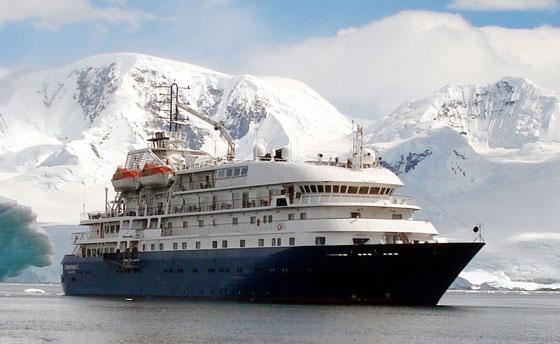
(462, 317)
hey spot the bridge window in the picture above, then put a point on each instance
(327, 188)
(388, 191)
(320, 188)
(229, 172)
(313, 188)
(343, 189)
(221, 173)
(363, 190)
(352, 189)
(374, 191)
(244, 170)
(396, 216)
(382, 192)
(301, 189)
(335, 188)
(236, 171)
(307, 189)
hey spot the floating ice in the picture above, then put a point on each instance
(34, 291)
(22, 242)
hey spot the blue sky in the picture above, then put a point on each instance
(286, 38)
(169, 28)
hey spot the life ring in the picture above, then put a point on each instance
(279, 226)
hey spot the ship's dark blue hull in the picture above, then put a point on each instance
(405, 274)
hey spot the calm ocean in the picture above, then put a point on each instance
(27, 317)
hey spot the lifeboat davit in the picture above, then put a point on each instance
(125, 180)
(153, 176)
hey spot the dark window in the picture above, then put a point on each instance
(291, 216)
(197, 245)
(307, 189)
(273, 241)
(335, 188)
(388, 191)
(355, 215)
(352, 189)
(143, 247)
(313, 188)
(161, 247)
(269, 218)
(320, 241)
(320, 188)
(279, 241)
(397, 217)
(253, 220)
(200, 223)
(382, 192)
(214, 244)
(153, 247)
(242, 243)
(343, 189)
(327, 188)
(374, 191)
(281, 202)
(363, 190)
(244, 170)
(229, 172)
(224, 243)
(236, 171)
(302, 216)
(175, 246)
(221, 173)
(234, 221)
(292, 241)
(302, 189)
(261, 242)
(265, 218)
(184, 246)
(185, 224)
(214, 222)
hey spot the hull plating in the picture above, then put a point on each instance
(401, 274)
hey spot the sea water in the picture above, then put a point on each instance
(42, 314)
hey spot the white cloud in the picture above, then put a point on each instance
(504, 5)
(368, 71)
(56, 13)
(4, 72)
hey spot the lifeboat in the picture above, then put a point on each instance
(125, 180)
(153, 176)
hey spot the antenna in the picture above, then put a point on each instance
(357, 146)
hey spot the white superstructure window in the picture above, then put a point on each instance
(197, 245)
(235, 221)
(291, 216)
(175, 246)
(292, 241)
(184, 245)
(161, 246)
(242, 243)
(185, 224)
(261, 242)
(200, 223)
(152, 247)
(302, 216)
(253, 220)
(320, 241)
(224, 243)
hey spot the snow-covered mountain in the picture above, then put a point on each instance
(64, 130)
(486, 153)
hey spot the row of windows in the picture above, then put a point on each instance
(232, 172)
(361, 190)
(235, 220)
(224, 243)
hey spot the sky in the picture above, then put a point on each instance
(364, 56)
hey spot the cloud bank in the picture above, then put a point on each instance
(22, 242)
(60, 12)
(368, 71)
(504, 5)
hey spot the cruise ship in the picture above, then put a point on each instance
(187, 224)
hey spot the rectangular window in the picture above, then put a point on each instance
(153, 247)
(320, 188)
(320, 241)
(273, 241)
(261, 242)
(184, 246)
(279, 241)
(221, 173)
(269, 218)
(224, 243)
(214, 222)
(307, 189)
(242, 243)
(291, 217)
(185, 224)
(169, 225)
(363, 190)
(244, 170)
(343, 189)
(197, 245)
(396, 216)
(355, 215)
(313, 188)
(265, 218)
(301, 189)
(327, 188)
(352, 189)
(374, 191)
(388, 191)
(161, 246)
(292, 241)
(253, 220)
(335, 188)
(214, 244)
(302, 216)
(236, 171)
(382, 192)
(175, 246)
(200, 223)
(229, 172)
(234, 221)
(143, 247)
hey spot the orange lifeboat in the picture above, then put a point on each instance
(153, 176)
(125, 180)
